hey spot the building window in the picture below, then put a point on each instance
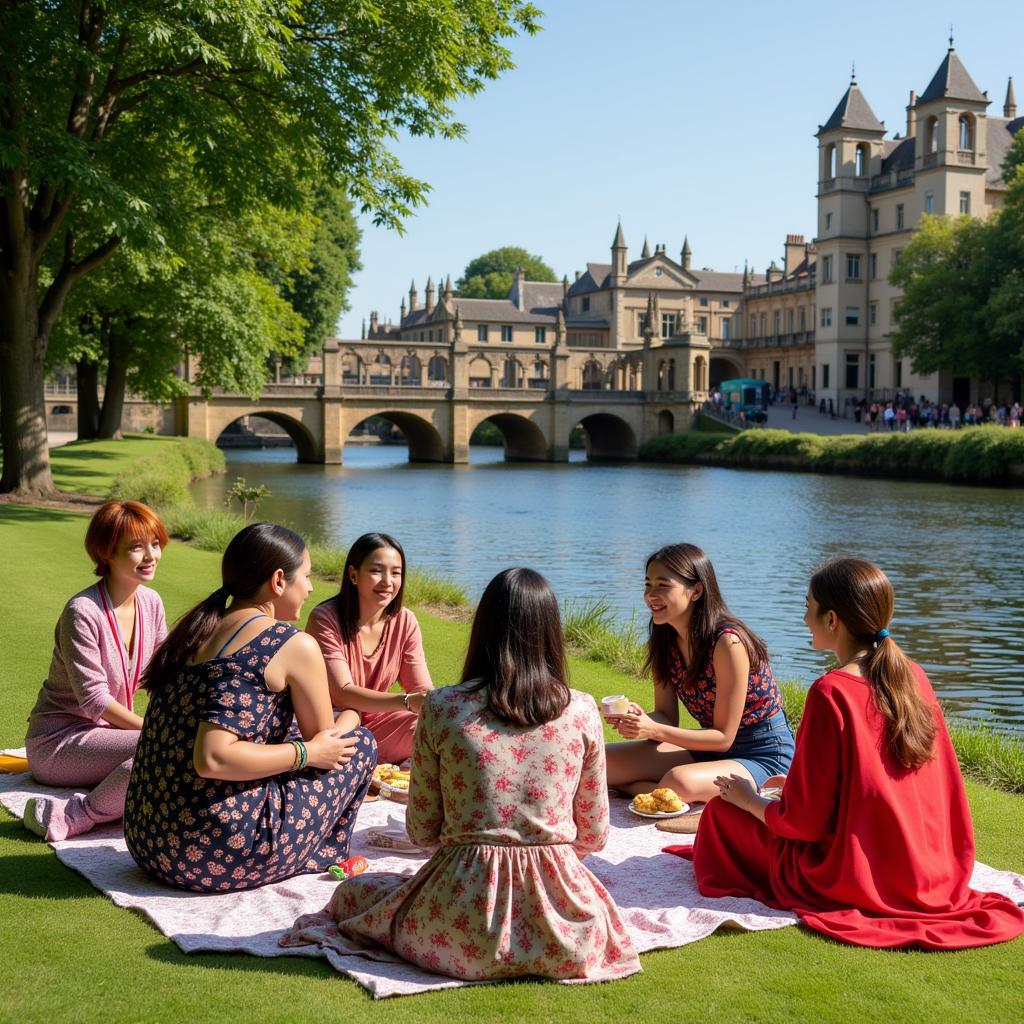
(481, 332)
(830, 162)
(540, 335)
(803, 320)
(852, 370)
(896, 254)
(965, 202)
(702, 324)
(585, 303)
(899, 217)
(828, 221)
(871, 370)
(873, 266)
(726, 327)
(860, 161)
(668, 324)
(703, 301)
(853, 266)
(966, 132)
(506, 332)
(826, 318)
(641, 324)
(775, 323)
(824, 375)
(826, 270)
(725, 303)
(790, 318)
(899, 373)
(852, 316)
(929, 202)
(753, 326)
(872, 314)
(764, 325)
(874, 218)
(894, 311)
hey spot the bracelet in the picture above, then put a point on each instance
(301, 755)
(405, 701)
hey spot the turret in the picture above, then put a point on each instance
(519, 289)
(401, 312)
(429, 294)
(565, 291)
(686, 255)
(620, 262)
(412, 295)
(447, 294)
(363, 334)
(1010, 104)
(645, 252)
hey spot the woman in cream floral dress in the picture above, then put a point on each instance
(508, 784)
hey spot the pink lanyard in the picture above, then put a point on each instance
(131, 685)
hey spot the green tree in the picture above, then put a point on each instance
(962, 306)
(490, 276)
(98, 100)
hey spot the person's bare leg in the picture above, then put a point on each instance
(695, 782)
(635, 766)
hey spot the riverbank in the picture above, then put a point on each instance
(975, 455)
(57, 930)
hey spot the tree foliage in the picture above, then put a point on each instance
(490, 276)
(98, 101)
(962, 306)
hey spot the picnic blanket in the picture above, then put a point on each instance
(656, 894)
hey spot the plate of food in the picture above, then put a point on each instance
(662, 803)
(392, 781)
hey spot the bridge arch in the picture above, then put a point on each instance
(609, 437)
(307, 448)
(425, 443)
(724, 367)
(524, 440)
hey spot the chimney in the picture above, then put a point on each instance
(1010, 105)
(373, 321)
(520, 295)
(912, 115)
(577, 275)
(429, 294)
(794, 253)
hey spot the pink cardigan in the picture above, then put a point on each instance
(86, 672)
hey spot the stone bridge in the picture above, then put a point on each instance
(437, 395)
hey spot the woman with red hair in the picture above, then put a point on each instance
(83, 730)
(871, 842)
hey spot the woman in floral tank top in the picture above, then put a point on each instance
(701, 655)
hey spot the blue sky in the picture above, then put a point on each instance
(683, 118)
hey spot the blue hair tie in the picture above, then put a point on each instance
(881, 635)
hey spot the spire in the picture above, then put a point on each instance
(1010, 105)
(645, 252)
(428, 294)
(402, 310)
(412, 295)
(448, 288)
(686, 255)
(952, 82)
(852, 111)
(565, 292)
(363, 335)
(651, 326)
(619, 241)
(620, 262)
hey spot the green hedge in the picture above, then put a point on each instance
(161, 481)
(989, 454)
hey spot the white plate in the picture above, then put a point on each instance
(394, 792)
(660, 814)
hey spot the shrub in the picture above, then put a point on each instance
(208, 528)
(161, 481)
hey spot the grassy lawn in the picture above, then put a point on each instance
(89, 467)
(70, 954)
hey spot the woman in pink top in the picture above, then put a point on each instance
(369, 641)
(83, 729)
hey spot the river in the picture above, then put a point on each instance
(955, 555)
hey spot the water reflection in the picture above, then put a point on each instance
(954, 554)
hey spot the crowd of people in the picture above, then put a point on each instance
(259, 743)
(904, 414)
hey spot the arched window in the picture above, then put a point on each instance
(510, 373)
(931, 135)
(410, 371)
(437, 370)
(966, 131)
(860, 163)
(830, 161)
(592, 375)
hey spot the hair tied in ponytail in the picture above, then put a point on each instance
(881, 635)
(221, 594)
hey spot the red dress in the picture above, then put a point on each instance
(861, 848)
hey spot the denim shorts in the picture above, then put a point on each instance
(764, 749)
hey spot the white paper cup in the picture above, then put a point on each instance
(617, 704)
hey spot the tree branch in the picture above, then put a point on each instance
(69, 273)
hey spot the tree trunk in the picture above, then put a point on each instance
(87, 377)
(118, 347)
(26, 452)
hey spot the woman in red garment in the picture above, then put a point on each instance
(871, 842)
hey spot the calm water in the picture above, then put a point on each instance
(955, 554)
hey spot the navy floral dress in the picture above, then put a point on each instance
(208, 835)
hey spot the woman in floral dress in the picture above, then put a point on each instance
(221, 797)
(508, 784)
(702, 656)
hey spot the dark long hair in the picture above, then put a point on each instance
(710, 616)
(347, 598)
(250, 559)
(517, 651)
(861, 596)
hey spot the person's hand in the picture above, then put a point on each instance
(636, 724)
(416, 702)
(736, 789)
(331, 748)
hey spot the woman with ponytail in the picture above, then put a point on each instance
(220, 797)
(871, 841)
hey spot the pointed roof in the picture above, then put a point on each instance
(619, 242)
(645, 253)
(951, 82)
(1010, 103)
(853, 111)
(686, 243)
